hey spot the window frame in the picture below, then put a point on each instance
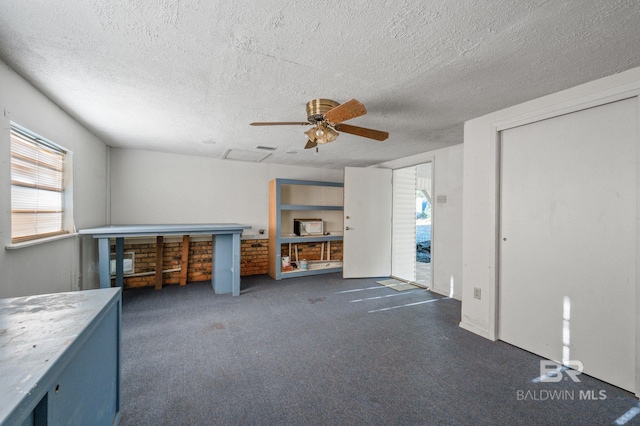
(66, 221)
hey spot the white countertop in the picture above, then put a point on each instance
(35, 332)
(163, 229)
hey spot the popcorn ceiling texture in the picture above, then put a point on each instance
(167, 75)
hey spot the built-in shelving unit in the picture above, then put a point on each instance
(303, 199)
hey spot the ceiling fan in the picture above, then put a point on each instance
(327, 118)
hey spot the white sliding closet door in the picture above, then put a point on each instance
(568, 239)
(403, 249)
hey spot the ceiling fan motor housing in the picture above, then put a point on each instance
(317, 108)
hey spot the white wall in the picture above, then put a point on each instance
(447, 217)
(70, 263)
(151, 187)
(481, 189)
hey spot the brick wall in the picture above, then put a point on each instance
(254, 257)
(199, 261)
(254, 260)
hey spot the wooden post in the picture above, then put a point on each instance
(159, 266)
(184, 261)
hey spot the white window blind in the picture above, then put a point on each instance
(403, 243)
(37, 202)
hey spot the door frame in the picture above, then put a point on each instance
(481, 181)
(430, 161)
(497, 130)
(571, 148)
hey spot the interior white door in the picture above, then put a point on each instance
(403, 247)
(568, 239)
(367, 222)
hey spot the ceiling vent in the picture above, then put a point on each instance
(266, 148)
(242, 155)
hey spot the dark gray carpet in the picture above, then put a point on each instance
(305, 352)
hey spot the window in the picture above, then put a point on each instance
(37, 187)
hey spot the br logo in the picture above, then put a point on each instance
(551, 371)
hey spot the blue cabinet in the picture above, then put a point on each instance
(60, 358)
(291, 199)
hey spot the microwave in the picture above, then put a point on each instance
(302, 227)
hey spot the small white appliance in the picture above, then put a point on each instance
(302, 227)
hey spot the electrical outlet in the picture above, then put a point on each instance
(477, 293)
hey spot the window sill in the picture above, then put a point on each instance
(16, 246)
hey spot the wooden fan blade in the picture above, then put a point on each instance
(280, 123)
(310, 144)
(361, 131)
(344, 112)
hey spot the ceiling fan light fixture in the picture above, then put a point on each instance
(331, 134)
(311, 134)
(321, 134)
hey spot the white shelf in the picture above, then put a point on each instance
(314, 271)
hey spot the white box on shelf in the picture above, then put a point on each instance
(128, 263)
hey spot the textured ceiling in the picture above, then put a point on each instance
(168, 75)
